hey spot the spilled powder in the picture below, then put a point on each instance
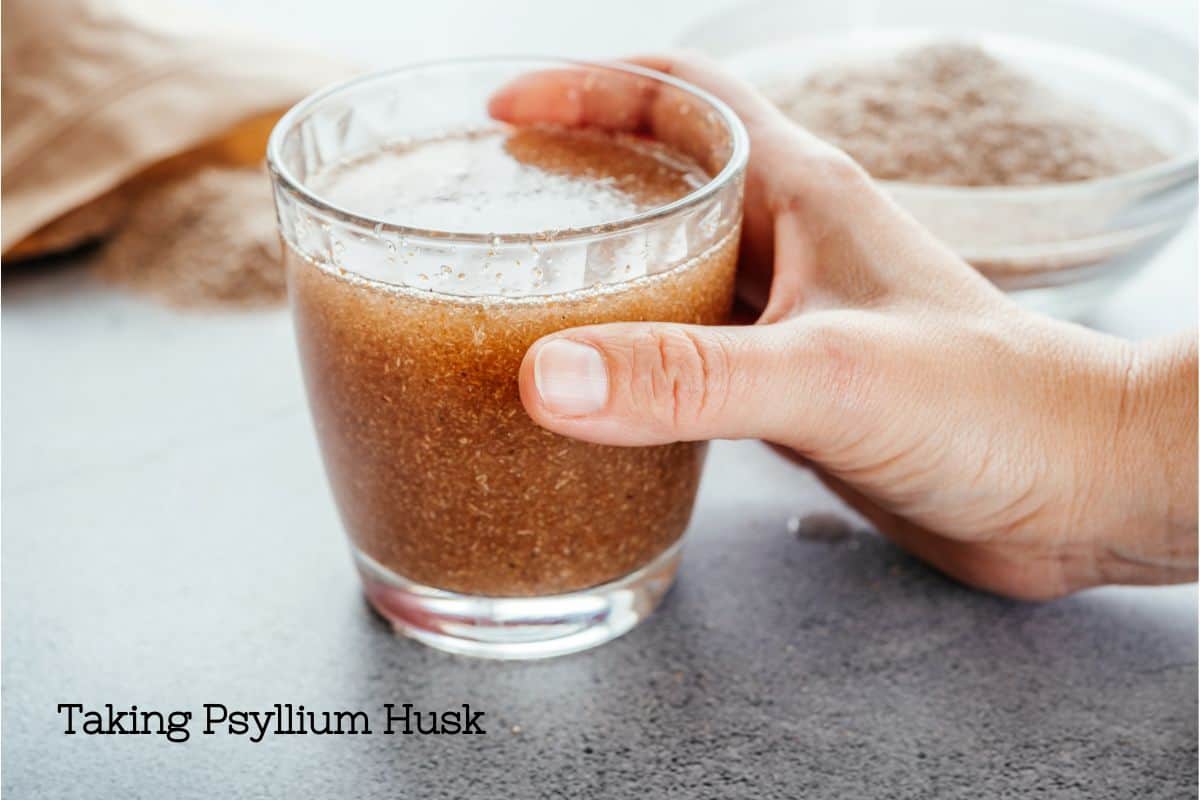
(206, 239)
(820, 526)
(951, 114)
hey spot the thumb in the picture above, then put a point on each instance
(654, 383)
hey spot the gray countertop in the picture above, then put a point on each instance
(169, 541)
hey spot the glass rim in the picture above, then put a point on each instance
(734, 166)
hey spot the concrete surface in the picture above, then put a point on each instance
(169, 541)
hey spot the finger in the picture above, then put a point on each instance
(746, 101)
(788, 283)
(945, 555)
(789, 168)
(653, 383)
(576, 97)
(617, 100)
(978, 564)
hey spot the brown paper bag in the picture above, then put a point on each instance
(102, 98)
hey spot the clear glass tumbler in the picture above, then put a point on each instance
(474, 530)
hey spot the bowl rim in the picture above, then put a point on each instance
(1170, 172)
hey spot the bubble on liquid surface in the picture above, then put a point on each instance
(501, 181)
(530, 182)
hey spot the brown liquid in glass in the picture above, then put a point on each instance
(439, 473)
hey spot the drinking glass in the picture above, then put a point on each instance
(474, 530)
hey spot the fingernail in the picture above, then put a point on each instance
(570, 377)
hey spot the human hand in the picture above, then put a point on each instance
(1018, 454)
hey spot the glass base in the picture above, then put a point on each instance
(517, 627)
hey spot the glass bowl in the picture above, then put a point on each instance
(1057, 248)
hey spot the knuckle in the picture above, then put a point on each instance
(817, 171)
(839, 356)
(837, 168)
(682, 379)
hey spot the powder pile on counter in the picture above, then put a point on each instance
(206, 239)
(951, 114)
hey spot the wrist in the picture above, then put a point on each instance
(1154, 453)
